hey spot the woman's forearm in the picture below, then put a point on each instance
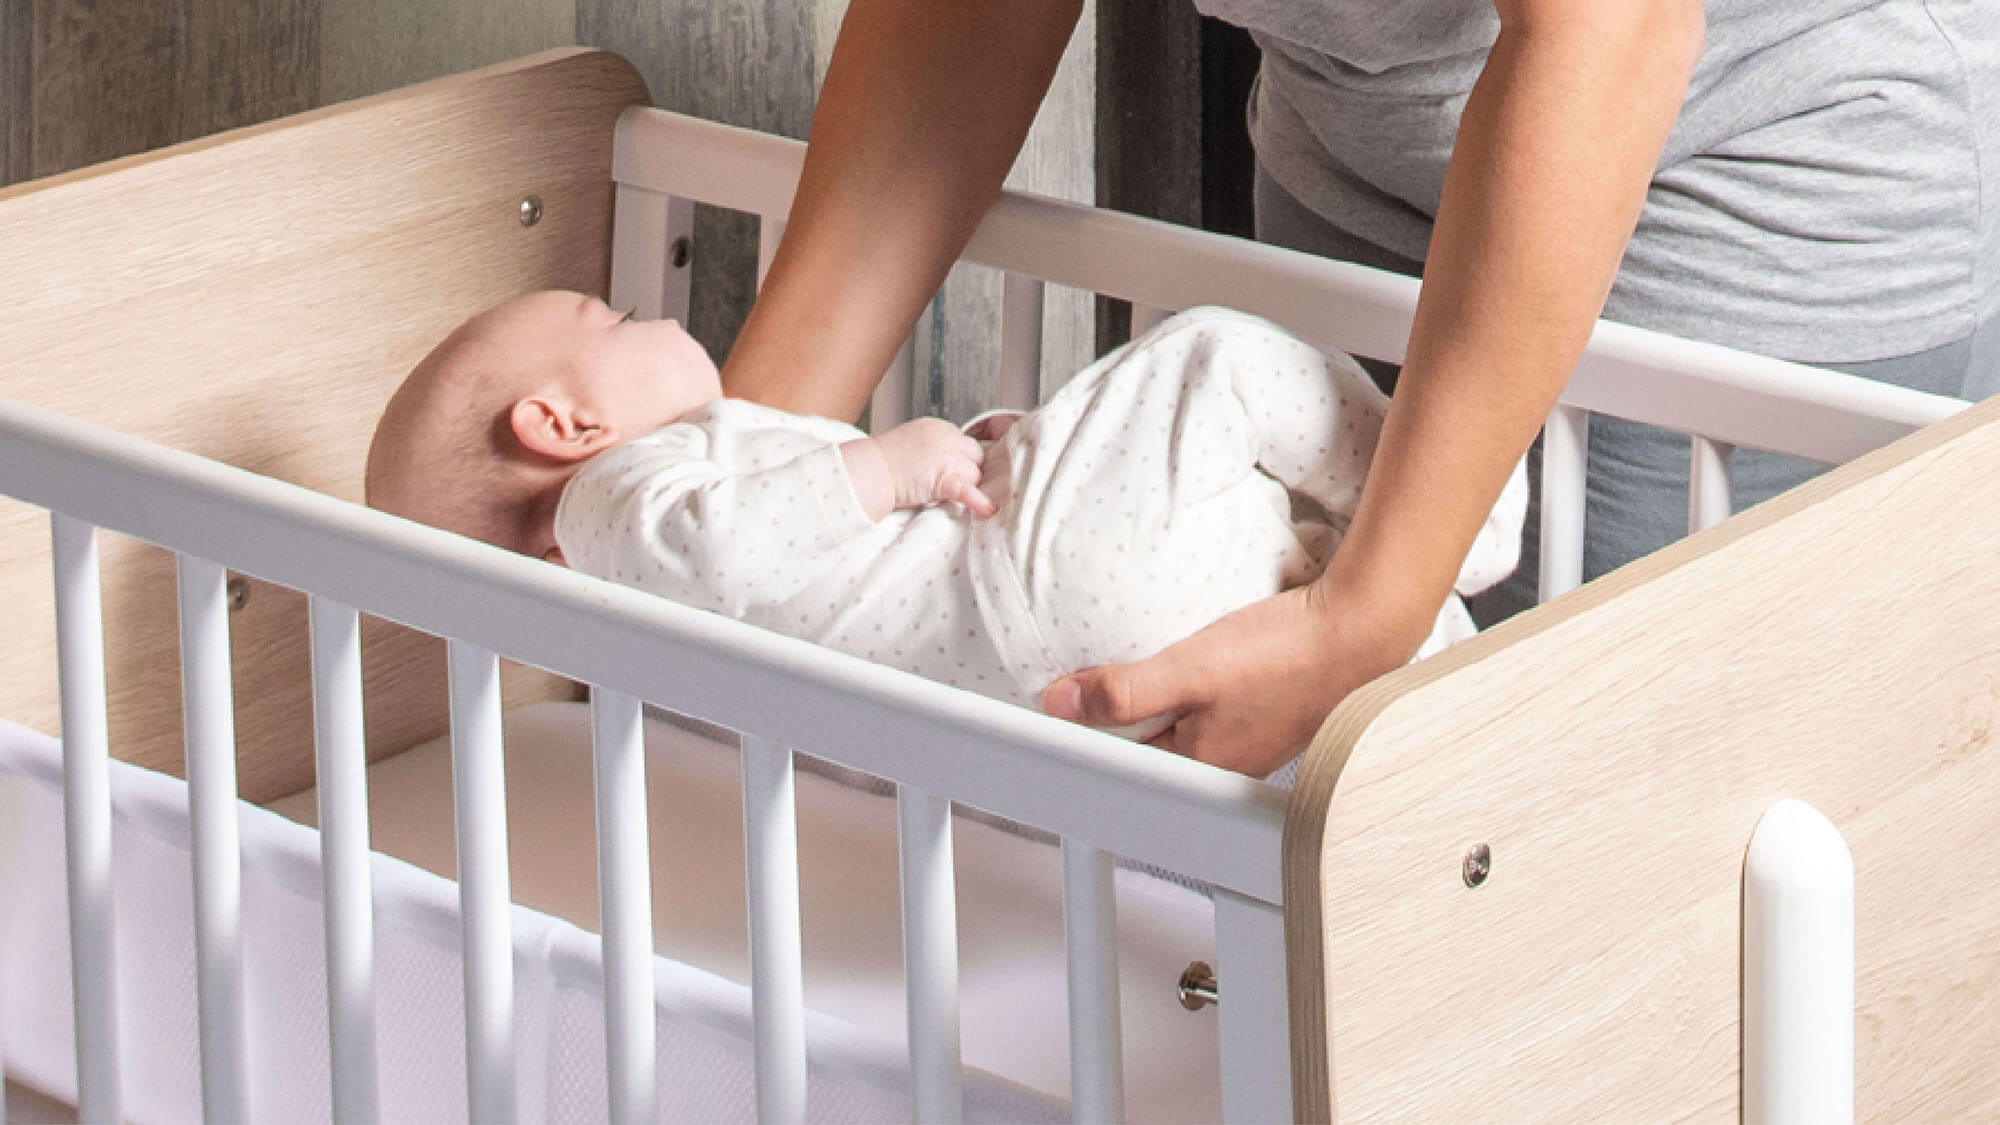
(924, 108)
(1556, 148)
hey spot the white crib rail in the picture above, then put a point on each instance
(340, 764)
(948, 745)
(210, 719)
(87, 814)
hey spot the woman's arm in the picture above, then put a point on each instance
(1555, 151)
(924, 109)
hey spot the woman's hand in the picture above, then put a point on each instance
(1253, 687)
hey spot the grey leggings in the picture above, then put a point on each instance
(1636, 498)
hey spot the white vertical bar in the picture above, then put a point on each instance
(207, 709)
(340, 758)
(625, 903)
(1090, 934)
(644, 229)
(86, 815)
(1021, 341)
(479, 808)
(1565, 452)
(1252, 1016)
(1708, 483)
(930, 953)
(777, 974)
(1145, 318)
(890, 405)
(770, 232)
(1798, 970)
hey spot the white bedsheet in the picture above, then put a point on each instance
(704, 1059)
(1014, 1010)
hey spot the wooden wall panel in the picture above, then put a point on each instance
(367, 46)
(107, 80)
(749, 63)
(244, 63)
(110, 67)
(17, 25)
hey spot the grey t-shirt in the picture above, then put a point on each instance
(1830, 192)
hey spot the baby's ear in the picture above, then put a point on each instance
(550, 427)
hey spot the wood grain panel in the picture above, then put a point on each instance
(255, 297)
(1839, 644)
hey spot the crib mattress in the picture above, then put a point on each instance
(703, 1019)
(1011, 959)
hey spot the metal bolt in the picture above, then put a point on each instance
(238, 589)
(679, 252)
(1198, 987)
(1478, 864)
(531, 210)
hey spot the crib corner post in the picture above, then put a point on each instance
(1798, 969)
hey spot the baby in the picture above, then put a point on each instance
(1208, 464)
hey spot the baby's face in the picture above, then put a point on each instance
(632, 375)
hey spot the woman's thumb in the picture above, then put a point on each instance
(1111, 695)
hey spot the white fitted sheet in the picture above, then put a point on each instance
(1012, 965)
(704, 1057)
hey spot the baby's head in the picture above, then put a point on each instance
(486, 430)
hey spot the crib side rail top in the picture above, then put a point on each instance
(1720, 393)
(1614, 751)
(255, 296)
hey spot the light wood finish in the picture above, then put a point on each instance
(254, 297)
(1839, 644)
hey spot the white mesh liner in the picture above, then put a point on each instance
(705, 1052)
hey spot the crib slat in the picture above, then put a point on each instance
(624, 902)
(1252, 1013)
(340, 759)
(769, 233)
(1708, 483)
(1565, 451)
(1145, 318)
(930, 952)
(207, 710)
(86, 753)
(644, 277)
(777, 976)
(1021, 341)
(894, 394)
(479, 805)
(1090, 935)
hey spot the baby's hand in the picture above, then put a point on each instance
(923, 461)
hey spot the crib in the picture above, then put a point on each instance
(1709, 836)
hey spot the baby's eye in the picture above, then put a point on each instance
(627, 316)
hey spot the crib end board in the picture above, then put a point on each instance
(255, 296)
(1615, 749)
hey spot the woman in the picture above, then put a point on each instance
(1819, 198)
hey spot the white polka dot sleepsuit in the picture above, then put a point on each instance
(1206, 465)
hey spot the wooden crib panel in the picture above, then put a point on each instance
(1840, 644)
(255, 297)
